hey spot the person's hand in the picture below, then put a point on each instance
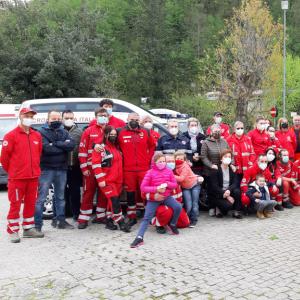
(279, 181)
(226, 194)
(215, 167)
(200, 179)
(102, 184)
(274, 189)
(230, 199)
(294, 182)
(233, 168)
(161, 189)
(158, 197)
(257, 200)
(190, 163)
(86, 173)
(257, 194)
(99, 147)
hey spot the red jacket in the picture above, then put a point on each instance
(285, 169)
(288, 141)
(275, 144)
(243, 152)
(274, 170)
(108, 165)
(136, 147)
(21, 154)
(155, 135)
(296, 173)
(112, 121)
(260, 141)
(91, 136)
(250, 176)
(225, 131)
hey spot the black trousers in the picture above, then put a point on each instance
(72, 191)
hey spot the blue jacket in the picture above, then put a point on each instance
(56, 145)
(170, 144)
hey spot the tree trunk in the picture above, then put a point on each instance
(242, 110)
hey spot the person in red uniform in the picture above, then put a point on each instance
(260, 139)
(260, 167)
(108, 169)
(285, 167)
(225, 129)
(286, 138)
(135, 144)
(112, 120)
(91, 136)
(242, 150)
(20, 158)
(274, 141)
(295, 190)
(296, 131)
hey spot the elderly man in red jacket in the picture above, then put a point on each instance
(21, 152)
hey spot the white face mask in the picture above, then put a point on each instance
(226, 160)
(27, 122)
(173, 131)
(261, 127)
(270, 157)
(239, 132)
(194, 130)
(148, 125)
(262, 166)
(68, 123)
(218, 120)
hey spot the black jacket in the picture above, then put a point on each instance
(56, 145)
(215, 183)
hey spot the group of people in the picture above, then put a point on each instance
(162, 176)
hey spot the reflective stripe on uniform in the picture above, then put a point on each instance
(13, 221)
(83, 165)
(82, 155)
(245, 154)
(100, 209)
(13, 227)
(82, 217)
(28, 219)
(28, 226)
(96, 166)
(131, 212)
(100, 175)
(86, 212)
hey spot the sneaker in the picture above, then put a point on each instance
(137, 242)
(54, 223)
(237, 215)
(279, 207)
(110, 225)
(33, 233)
(14, 238)
(124, 226)
(192, 224)
(268, 214)
(260, 215)
(173, 229)
(99, 221)
(161, 229)
(64, 225)
(218, 213)
(83, 225)
(287, 204)
(132, 222)
(212, 212)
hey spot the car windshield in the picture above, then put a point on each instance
(6, 125)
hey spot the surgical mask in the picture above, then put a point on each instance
(173, 131)
(262, 166)
(68, 123)
(218, 120)
(261, 127)
(133, 124)
(297, 123)
(148, 125)
(27, 122)
(239, 131)
(109, 110)
(270, 157)
(112, 139)
(55, 124)
(102, 120)
(285, 159)
(171, 165)
(160, 165)
(226, 161)
(194, 130)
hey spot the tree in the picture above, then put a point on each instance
(244, 56)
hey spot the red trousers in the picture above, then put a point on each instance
(21, 191)
(90, 187)
(132, 183)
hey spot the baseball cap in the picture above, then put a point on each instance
(26, 110)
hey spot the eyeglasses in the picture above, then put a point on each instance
(240, 128)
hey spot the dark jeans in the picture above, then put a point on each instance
(224, 205)
(72, 190)
(150, 211)
(191, 201)
(58, 178)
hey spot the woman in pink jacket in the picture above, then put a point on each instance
(159, 179)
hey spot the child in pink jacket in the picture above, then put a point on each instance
(159, 179)
(191, 187)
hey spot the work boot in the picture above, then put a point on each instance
(124, 226)
(83, 225)
(287, 204)
(99, 221)
(32, 233)
(110, 225)
(279, 207)
(14, 237)
(132, 222)
(161, 229)
(64, 225)
(137, 242)
(237, 215)
(268, 214)
(172, 229)
(260, 215)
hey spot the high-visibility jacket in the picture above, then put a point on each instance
(260, 141)
(288, 141)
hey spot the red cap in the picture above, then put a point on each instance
(26, 110)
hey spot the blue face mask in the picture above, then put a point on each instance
(285, 159)
(171, 165)
(109, 110)
(102, 120)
